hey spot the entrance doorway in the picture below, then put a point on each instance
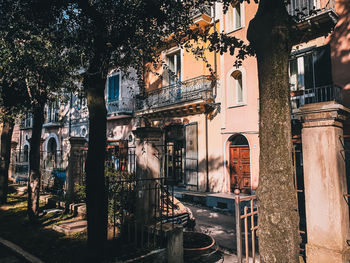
(240, 164)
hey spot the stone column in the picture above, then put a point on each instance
(149, 147)
(76, 145)
(12, 160)
(327, 213)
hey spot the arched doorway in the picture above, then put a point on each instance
(239, 164)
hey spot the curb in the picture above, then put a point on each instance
(20, 251)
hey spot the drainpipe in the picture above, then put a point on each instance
(206, 151)
(70, 114)
(215, 60)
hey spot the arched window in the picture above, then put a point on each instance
(236, 92)
(238, 85)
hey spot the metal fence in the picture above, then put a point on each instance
(302, 9)
(314, 95)
(246, 217)
(141, 211)
(197, 88)
(246, 213)
(125, 105)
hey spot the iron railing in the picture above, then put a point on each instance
(124, 105)
(314, 95)
(204, 9)
(141, 211)
(246, 213)
(185, 91)
(246, 218)
(53, 116)
(302, 9)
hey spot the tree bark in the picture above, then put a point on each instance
(34, 162)
(96, 196)
(5, 154)
(269, 34)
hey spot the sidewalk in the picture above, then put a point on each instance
(11, 253)
(223, 201)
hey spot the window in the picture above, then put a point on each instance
(310, 76)
(310, 69)
(113, 87)
(233, 17)
(235, 90)
(25, 153)
(239, 86)
(174, 63)
(53, 111)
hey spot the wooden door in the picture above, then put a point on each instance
(240, 168)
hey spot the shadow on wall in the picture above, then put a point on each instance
(340, 46)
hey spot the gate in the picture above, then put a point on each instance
(142, 211)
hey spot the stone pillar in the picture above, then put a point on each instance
(149, 147)
(327, 213)
(175, 249)
(76, 145)
(13, 161)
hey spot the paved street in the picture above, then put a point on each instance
(8, 256)
(219, 225)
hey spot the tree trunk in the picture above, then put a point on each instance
(278, 234)
(34, 162)
(96, 196)
(5, 154)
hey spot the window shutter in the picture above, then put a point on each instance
(322, 66)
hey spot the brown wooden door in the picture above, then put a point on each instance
(240, 168)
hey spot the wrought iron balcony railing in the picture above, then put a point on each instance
(205, 9)
(199, 88)
(314, 95)
(124, 105)
(302, 9)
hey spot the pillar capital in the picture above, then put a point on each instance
(322, 114)
(77, 141)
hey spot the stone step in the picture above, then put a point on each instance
(71, 227)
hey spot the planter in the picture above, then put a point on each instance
(197, 244)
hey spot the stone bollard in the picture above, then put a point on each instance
(175, 250)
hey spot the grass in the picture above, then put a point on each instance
(38, 238)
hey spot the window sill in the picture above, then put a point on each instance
(237, 105)
(234, 30)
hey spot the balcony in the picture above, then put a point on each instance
(201, 15)
(186, 97)
(120, 107)
(53, 119)
(317, 16)
(315, 95)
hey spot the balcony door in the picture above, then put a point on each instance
(310, 76)
(174, 63)
(113, 88)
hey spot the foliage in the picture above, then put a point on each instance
(80, 192)
(121, 187)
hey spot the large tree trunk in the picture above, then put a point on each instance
(34, 162)
(269, 34)
(96, 196)
(5, 154)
